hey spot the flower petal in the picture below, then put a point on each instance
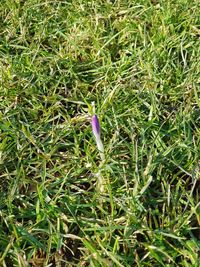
(95, 125)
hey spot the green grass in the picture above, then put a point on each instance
(139, 62)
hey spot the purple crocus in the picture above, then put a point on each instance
(96, 131)
(95, 126)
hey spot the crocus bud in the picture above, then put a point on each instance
(96, 132)
(95, 126)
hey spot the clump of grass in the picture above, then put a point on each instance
(139, 63)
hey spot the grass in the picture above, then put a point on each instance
(139, 62)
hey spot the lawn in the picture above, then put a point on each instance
(135, 64)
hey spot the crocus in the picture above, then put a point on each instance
(96, 131)
(95, 126)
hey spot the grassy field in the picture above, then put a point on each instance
(138, 61)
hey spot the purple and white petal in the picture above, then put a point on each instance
(95, 126)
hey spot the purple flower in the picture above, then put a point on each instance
(96, 131)
(95, 126)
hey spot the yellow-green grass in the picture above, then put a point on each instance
(139, 62)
